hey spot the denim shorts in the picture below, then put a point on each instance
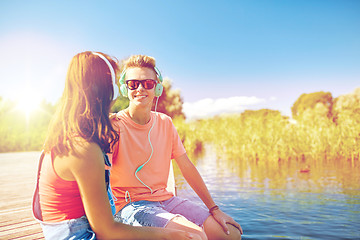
(78, 228)
(158, 214)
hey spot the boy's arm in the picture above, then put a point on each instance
(192, 176)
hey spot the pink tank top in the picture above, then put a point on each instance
(59, 199)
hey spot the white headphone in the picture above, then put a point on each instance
(115, 86)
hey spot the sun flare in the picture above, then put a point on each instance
(28, 103)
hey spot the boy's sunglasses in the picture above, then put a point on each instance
(134, 84)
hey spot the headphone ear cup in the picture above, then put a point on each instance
(123, 90)
(158, 90)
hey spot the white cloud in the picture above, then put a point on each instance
(209, 107)
(272, 98)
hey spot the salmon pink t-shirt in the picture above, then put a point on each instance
(133, 149)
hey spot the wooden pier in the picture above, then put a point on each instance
(17, 182)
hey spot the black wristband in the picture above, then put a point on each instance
(211, 210)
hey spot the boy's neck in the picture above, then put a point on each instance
(139, 115)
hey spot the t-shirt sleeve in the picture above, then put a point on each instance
(114, 147)
(177, 146)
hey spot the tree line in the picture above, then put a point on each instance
(321, 127)
(22, 132)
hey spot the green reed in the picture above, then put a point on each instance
(266, 135)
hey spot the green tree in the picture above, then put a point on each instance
(120, 103)
(21, 132)
(170, 101)
(347, 108)
(310, 100)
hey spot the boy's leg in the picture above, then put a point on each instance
(181, 223)
(145, 213)
(192, 215)
(200, 216)
(214, 231)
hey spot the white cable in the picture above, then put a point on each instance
(152, 151)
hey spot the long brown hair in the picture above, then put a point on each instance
(84, 106)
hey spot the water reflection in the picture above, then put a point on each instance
(278, 200)
(317, 176)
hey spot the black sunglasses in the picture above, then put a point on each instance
(134, 84)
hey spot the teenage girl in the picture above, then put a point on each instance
(141, 160)
(72, 194)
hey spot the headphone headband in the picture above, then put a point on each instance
(158, 73)
(115, 86)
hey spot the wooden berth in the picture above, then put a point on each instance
(17, 182)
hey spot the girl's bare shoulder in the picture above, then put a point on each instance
(85, 153)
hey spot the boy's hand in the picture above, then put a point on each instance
(222, 218)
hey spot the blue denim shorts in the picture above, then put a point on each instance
(78, 228)
(158, 214)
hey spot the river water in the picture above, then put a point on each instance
(286, 200)
(292, 200)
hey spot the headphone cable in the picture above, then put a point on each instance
(152, 151)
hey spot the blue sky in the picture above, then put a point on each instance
(224, 56)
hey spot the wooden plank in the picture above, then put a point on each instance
(17, 182)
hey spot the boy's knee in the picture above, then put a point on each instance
(183, 224)
(234, 232)
(219, 234)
